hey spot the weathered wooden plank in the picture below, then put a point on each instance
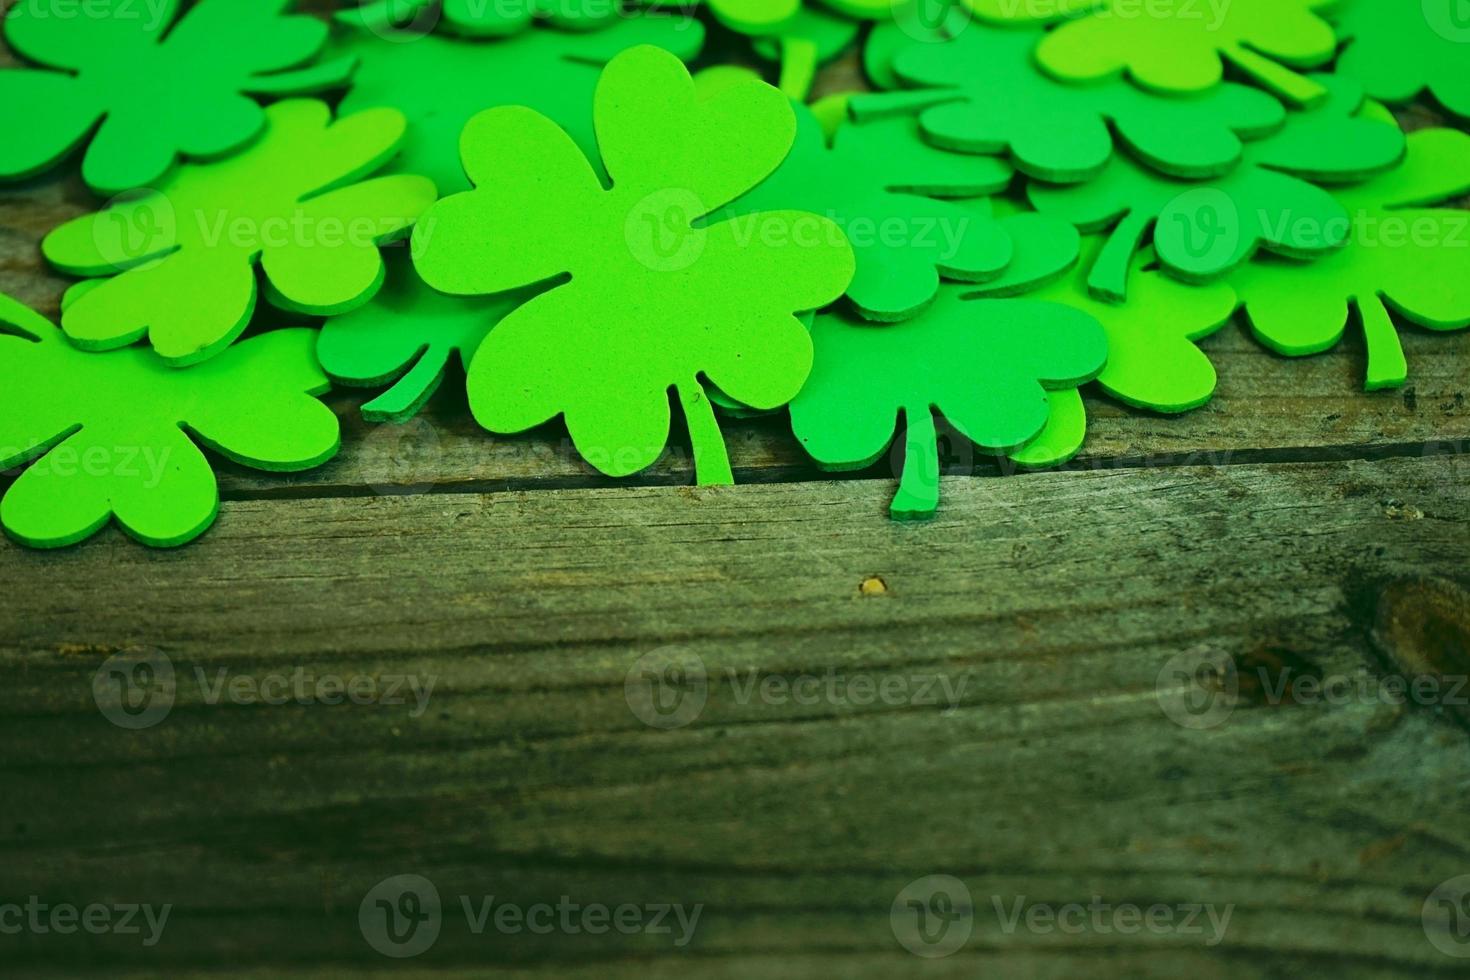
(1050, 768)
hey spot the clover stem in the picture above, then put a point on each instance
(798, 66)
(711, 459)
(1295, 87)
(408, 394)
(1109, 276)
(1386, 365)
(918, 487)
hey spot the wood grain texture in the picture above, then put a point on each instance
(1053, 773)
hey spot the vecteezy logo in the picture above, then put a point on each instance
(660, 230)
(1450, 19)
(135, 689)
(401, 916)
(1198, 688)
(933, 916)
(1446, 917)
(1206, 224)
(667, 688)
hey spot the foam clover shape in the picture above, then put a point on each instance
(924, 21)
(405, 338)
(482, 18)
(993, 367)
(159, 94)
(1398, 49)
(981, 93)
(1401, 255)
(186, 252)
(438, 83)
(884, 187)
(118, 435)
(984, 365)
(1203, 229)
(809, 39)
(1179, 46)
(651, 297)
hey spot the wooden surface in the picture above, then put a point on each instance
(1032, 745)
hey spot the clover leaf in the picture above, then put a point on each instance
(159, 93)
(1203, 229)
(1177, 46)
(186, 250)
(910, 21)
(406, 336)
(481, 18)
(1398, 49)
(808, 39)
(1400, 255)
(439, 83)
(882, 185)
(981, 93)
(649, 296)
(996, 369)
(118, 435)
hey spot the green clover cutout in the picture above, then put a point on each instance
(1153, 360)
(439, 83)
(1398, 49)
(1400, 255)
(1203, 229)
(159, 93)
(650, 297)
(923, 21)
(981, 93)
(118, 435)
(1177, 46)
(482, 18)
(186, 252)
(406, 338)
(884, 187)
(805, 42)
(988, 365)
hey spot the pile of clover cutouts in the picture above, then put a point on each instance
(1031, 195)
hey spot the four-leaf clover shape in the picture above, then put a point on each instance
(979, 92)
(118, 435)
(648, 295)
(885, 188)
(1178, 46)
(159, 92)
(186, 252)
(1400, 255)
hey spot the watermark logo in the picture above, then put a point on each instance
(134, 226)
(401, 916)
(933, 916)
(1101, 917)
(1450, 19)
(38, 918)
(1446, 917)
(667, 688)
(401, 458)
(135, 689)
(931, 21)
(1207, 223)
(1198, 688)
(660, 230)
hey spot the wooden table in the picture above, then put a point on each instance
(1066, 689)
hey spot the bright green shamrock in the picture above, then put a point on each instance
(1203, 229)
(482, 18)
(1398, 48)
(880, 183)
(117, 435)
(1401, 255)
(406, 337)
(157, 96)
(984, 364)
(1177, 46)
(439, 83)
(651, 297)
(187, 250)
(981, 93)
